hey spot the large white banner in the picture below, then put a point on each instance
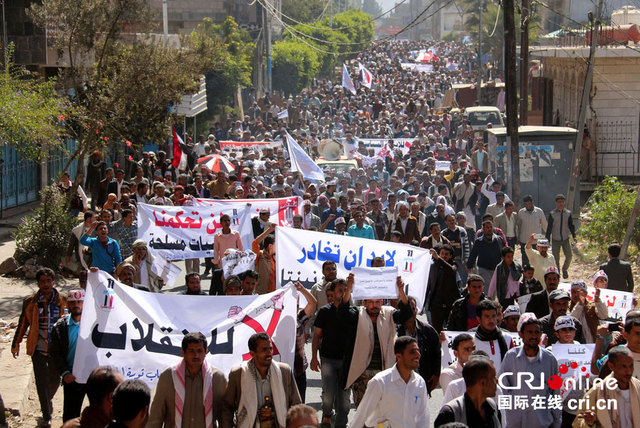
(187, 232)
(300, 254)
(574, 361)
(282, 209)
(140, 333)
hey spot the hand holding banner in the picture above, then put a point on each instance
(375, 283)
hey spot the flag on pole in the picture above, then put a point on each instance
(179, 156)
(301, 162)
(367, 77)
(283, 114)
(346, 80)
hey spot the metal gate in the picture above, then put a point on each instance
(616, 150)
(58, 159)
(19, 178)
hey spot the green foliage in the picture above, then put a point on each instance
(302, 11)
(45, 234)
(30, 112)
(349, 33)
(294, 66)
(231, 65)
(609, 209)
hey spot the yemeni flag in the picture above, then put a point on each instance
(179, 156)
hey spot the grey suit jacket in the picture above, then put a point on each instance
(500, 221)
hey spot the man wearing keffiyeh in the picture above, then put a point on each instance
(189, 394)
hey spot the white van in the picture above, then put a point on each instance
(480, 117)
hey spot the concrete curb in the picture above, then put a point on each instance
(15, 377)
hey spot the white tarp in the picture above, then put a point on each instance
(300, 254)
(140, 333)
(187, 232)
(282, 209)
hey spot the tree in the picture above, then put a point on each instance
(122, 83)
(296, 11)
(31, 112)
(371, 7)
(233, 67)
(294, 66)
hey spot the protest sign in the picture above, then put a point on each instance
(282, 209)
(237, 145)
(300, 254)
(574, 361)
(165, 270)
(177, 233)
(443, 166)
(238, 262)
(140, 333)
(618, 302)
(523, 301)
(374, 283)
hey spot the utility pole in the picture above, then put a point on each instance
(582, 115)
(479, 82)
(524, 62)
(165, 21)
(511, 97)
(266, 29)
(331, 13)
(630, 225)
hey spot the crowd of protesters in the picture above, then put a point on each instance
(382, 356)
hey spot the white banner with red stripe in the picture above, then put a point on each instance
(140, 333)
(282, 210)
(236, 145)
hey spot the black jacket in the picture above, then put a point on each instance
(546, 325)
(429, 345)
(620, 275)
(458, 314)
(442, 287)
(59, 345)
(539, 304)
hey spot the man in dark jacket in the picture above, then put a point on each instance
(486, 249)
(559, 304)
(539, 303)
(428, 343)
(463, 313)
(442, 289)
(64, 337)
(618, 271)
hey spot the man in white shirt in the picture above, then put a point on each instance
(462, 346)
(396, 396)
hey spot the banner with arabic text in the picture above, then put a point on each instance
(187, 232)
(300, 254)
(140, 333)
(237, 145)
(618, 302)
(282, 209)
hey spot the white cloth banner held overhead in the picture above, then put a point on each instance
(374, 283)
(177, 233)
(140, 333)
(300, 254)
(283, 114)
(367, 77)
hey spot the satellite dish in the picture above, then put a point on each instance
(331, 149)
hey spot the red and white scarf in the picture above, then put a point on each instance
(178, 376)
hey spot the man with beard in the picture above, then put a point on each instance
(271, 389)
(559, 304)
(539, 302)
(189, 393)
(105, 251)
(371, 331)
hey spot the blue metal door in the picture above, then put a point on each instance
(19, 178)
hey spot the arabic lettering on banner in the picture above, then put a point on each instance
(300, 254)
(574, 361)
(404, 144)
(177, 233)
(282, 209)
(237, 145)
(140, 333)
(618, 302)
(446, 351)
(422, 68)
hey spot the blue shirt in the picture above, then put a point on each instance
(366, 231)
(516, 361)
(73, 328)
(325, 215)
(105, 257)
